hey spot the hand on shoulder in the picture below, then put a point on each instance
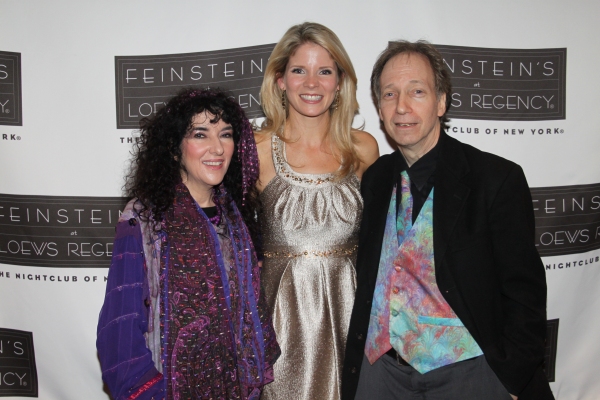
(367, 149)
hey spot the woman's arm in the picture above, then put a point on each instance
(127, 366)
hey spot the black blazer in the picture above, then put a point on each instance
(486, 264)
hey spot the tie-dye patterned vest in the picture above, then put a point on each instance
(409, 313)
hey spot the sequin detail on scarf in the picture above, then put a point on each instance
(216, 346)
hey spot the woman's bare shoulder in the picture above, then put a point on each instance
(367, 148)
(266, 169)
(262, 136)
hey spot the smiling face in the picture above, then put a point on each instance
(206, 152)
(410, 107)
(310, 81)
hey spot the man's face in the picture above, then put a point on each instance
(409, 105)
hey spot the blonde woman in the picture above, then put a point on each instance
(311, 162)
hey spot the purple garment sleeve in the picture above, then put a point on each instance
(127, 366)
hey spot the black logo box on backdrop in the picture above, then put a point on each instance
(506, 84)
(10, 89)
(52, 231)
(18, 373)
(144, 83)
(567, 219)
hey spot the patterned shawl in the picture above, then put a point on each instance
(217, 341)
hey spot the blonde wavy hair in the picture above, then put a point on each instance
(340, 123)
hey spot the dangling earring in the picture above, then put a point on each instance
(283, 99)
(336, 101)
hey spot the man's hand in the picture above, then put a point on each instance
(513, 396)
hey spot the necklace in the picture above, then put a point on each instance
(216, 219)
(213, 214)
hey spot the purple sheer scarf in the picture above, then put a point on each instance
(210, 351)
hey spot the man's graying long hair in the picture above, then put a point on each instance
(436, 61)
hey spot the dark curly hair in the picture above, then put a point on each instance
(156, 165)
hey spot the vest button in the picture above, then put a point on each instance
(398, 269)
(353, 370)
(395, 290)
(394, 313)
(359, 336)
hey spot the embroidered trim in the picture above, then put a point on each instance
(306, 253)
(282, 166)
(146, 386)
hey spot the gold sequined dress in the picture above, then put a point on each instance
(310, 227)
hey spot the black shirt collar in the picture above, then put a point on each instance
(420, 172)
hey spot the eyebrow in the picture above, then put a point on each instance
(304, 66)
(204, 128)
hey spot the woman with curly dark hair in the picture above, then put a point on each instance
(183, 316)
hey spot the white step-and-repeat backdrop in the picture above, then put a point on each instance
(76, 76)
